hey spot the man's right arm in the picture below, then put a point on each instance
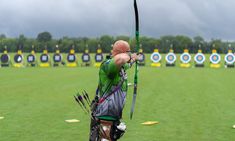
(123, 58)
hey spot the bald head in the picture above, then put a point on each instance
(120, 46)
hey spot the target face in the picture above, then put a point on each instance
(215, 58)
(98, 57)
(85, 57)
(199, 58)
(5, 58)
(18, 58)
(31, 58)
(170, 58)
(141, 57)
(44, 58)
(156, 57)
(71, 58)
(185, 58)
(229, 58)
(57, 58)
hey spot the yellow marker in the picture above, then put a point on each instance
(155, 50)
(72, 120)
(214, 51)
(150, 123)
(99, 51)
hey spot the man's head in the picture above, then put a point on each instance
(120, 46)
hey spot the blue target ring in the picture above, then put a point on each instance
(215, 58)
(199, 58)
(156, 57)
(229, 58)
(170, 58)
(185, 58)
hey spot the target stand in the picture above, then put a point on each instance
(45, 59)
(185, 59)
(5, 58)
(215, 59)
(229, 59)
(31, 58)
(18, 59)
(57, 57)
(199, 59)
(141, 61)
(170, 59)
(86, 59)
(98, 58)
(72, 59)
(156, 59)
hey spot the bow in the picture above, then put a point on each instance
(136, 63)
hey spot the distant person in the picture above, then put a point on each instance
(110, 97)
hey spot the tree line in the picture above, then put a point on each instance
(148, 44)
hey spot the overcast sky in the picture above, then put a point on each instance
(76, 18)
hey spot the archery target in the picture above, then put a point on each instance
(57, 58)
(44, 58)
(141, 57)
(18, 58)
(156, 57)
(5, 58)
(199, 58)
(215, 58)
(170, 58)
(31, 58)
(229, 58)
(99, 57)
(85, 57)
(71, 58)
(185, 58)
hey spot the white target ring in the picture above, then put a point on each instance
(170, 58)
(156, 57)
(215, 58)
(199, 58)
(229, 58)
(185, 58)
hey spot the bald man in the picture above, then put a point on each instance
(111, 94)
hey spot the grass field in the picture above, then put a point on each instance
(190, 104)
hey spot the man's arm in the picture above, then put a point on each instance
(123, 58)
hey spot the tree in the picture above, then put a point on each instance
(44, 37)
(106, 41)
(3, 36)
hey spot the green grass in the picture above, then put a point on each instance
(190, 104)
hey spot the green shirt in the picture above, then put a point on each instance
(109, 75)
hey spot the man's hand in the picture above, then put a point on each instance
(135, 57)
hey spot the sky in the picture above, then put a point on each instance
(93, 18)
